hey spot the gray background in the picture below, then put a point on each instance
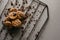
(52, 28)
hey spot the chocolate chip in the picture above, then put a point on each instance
(14, 14)
(24, 21)
(23, 2)
(16, 2)
(26, 15)
(22, 8)
(19, 4)
(11, 4)
(29, 14)
(36, 35)
(29, 7)
(22, 27)
(9, 9)
(29, 22)
(26, 1)
(17, 7)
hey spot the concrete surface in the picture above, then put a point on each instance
(52, 29)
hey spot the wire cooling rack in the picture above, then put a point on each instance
(33, 24)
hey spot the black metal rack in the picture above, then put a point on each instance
(31, 30)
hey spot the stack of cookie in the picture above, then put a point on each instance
(14, 18)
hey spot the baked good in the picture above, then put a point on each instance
(8, 24)
(12, 15)
(14, 18)
(13, 10)
(16, 23)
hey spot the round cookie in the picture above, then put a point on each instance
(20, 14)
(13, 10)
(16, 23)
(12, 15)
(8, 24)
